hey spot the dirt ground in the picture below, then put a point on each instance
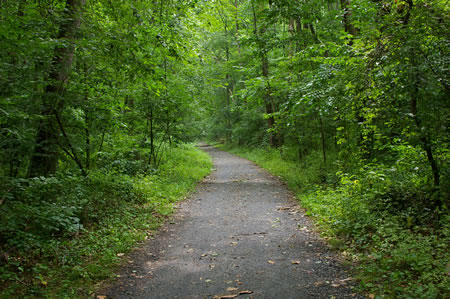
(240, 235)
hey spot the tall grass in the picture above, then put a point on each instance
(376, 215)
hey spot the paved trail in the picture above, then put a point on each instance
(241, 231)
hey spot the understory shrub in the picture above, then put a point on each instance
(400, 243)
(60, 234)
(384, 218)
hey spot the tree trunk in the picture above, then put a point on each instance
(229, 93)
(426, 145)
(348, 26)
(88, 140)
(152, 158)
(237, 27)
(268, 101)
(323, 139)
(45, 157)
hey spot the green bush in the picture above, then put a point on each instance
(383, 217)
(406, 263)
(36, 209)
(384, 220)
(59, 235)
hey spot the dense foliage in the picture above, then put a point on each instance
(362, 82)
(396, 253)
(95, 105)
(97, 98)
(349, 100)
(65, 233)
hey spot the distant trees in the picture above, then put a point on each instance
(360, 81)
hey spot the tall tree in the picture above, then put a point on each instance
(45, 157)
(260, 29)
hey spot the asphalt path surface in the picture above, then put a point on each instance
(240, 235)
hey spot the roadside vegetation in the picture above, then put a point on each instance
(397, 250)
(348, 102)
(96, 117)
(63, 234)
(346, 99)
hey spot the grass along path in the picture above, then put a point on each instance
(396, 255)
(240, 235)
(70, 267)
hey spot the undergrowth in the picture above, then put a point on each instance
(61, 235)
(378, 216)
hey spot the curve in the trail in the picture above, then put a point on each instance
(241, 234)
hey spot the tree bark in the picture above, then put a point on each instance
(88, 140)
(237, 27)
(426, 145)
(229, 93)
(268, 101)
(152, 157)
(348, 26)
(323, 139)
(45, 157)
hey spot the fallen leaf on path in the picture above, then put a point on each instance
(304, 228)
(234, 243)
(318, 283)
(230, 289)
(208, 280)
(245, 292)
(341, 282)
(295, 262)
(120, 254)
(228, 296)
(283, 208)
(271, 262)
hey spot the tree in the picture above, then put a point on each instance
(45, 157)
